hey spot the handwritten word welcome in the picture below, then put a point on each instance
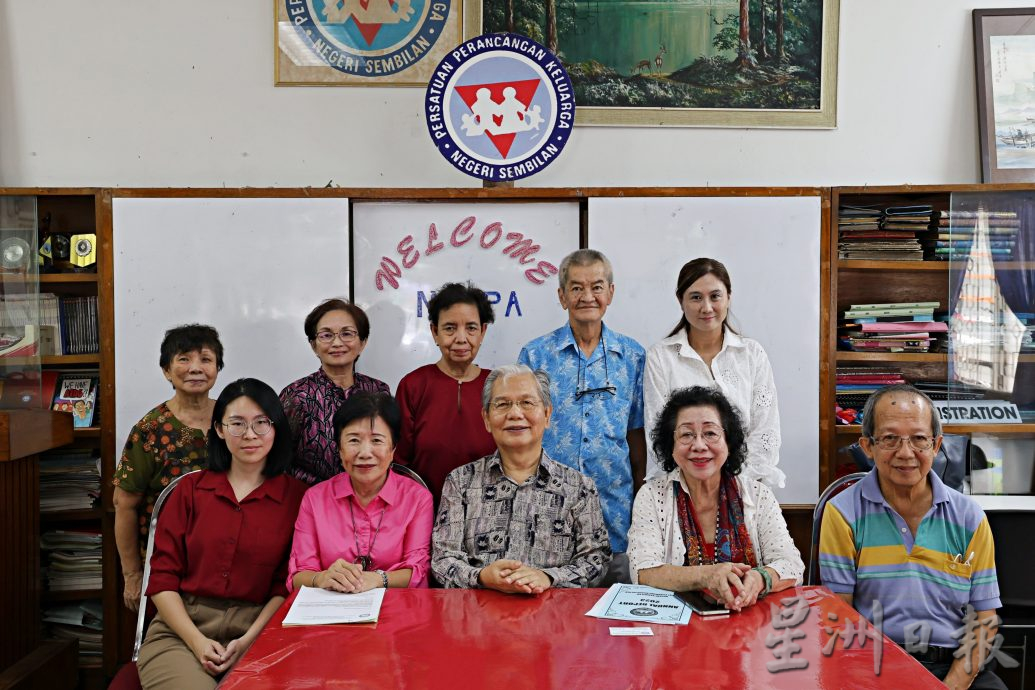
(520, 248)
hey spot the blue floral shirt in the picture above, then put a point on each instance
(589, 434)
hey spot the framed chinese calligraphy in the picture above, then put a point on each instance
(363, 43)
(728, 63)
(1004, 54)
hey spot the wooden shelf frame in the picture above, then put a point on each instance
(920, 275)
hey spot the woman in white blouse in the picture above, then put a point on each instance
(703, 525)
(703, 350)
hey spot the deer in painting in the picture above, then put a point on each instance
(640, 66)
(657, 58)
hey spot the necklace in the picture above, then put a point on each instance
(365, 560)
(700, 542)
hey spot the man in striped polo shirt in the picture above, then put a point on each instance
(901, 543)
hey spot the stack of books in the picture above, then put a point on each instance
(60, 325)
(958, 230)
(74, 560)
(885, 234)
(854, 385)
(82, 620)
(70, 479)
(893, 327)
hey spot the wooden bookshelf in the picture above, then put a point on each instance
(873, 281)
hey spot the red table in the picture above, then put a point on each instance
(457, 639)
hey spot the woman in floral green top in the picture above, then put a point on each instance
(167, 442)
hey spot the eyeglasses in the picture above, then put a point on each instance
(347, 335)
(710, 437)
(580, 382)
(527, 405)
(238, 427)
(919, 442)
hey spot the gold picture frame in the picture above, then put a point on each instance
(823, 116)
(315, 44)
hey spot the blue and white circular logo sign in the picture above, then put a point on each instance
(369, 38)
(500, 107)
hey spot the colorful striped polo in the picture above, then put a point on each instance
(866, 549)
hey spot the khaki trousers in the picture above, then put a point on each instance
(166, 661)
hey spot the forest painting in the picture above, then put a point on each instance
(762, 63)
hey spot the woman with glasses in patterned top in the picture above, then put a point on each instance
(337, 332)
(704, 525)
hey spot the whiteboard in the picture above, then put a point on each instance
(252, 268)
(771, 247)
(506, 249)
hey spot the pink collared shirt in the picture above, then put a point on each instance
(324, 528)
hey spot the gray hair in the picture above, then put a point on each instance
(869, 422)
(542, 380)
(584, 257)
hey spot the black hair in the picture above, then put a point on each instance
(690, 273)
(368, 405)
(279, 459)
(336, 304)
(458, 293)
(663, 435)
(190, 337)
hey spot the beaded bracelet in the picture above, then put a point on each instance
(384, 578)
(766, 578)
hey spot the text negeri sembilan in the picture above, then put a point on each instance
(565, 114)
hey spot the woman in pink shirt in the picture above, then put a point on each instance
(368, 526)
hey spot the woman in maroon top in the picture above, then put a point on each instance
(222, 544)
(441, 403)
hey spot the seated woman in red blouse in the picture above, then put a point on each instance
(222, 544)
(441, 403)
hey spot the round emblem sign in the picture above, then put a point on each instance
(500, 107)
(369, 39)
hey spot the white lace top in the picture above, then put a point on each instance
(742, 372)
(655, 537)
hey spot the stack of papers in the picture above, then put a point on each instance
(315, 606)
(81, 621)
(74, 559)
(642, 604)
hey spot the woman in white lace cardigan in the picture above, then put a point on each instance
(703, 350)
(703, 525)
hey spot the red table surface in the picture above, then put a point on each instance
(435, 638)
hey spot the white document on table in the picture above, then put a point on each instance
(641, 603)
(316, 606)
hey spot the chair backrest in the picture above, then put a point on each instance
(836, 487)
(142, 611)
(407, 472)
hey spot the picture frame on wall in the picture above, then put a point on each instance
(363, 42)
(1004, 58)
(723, 63)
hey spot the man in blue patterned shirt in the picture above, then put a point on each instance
(597, 375)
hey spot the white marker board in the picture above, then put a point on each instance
(510, 250)
(771, 247)
(252, 268)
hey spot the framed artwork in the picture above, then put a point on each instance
(725, 63)
(363, 42)
(1004, 55)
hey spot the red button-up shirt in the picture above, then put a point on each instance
(209, 544)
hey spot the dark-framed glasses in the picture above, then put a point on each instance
(580, 384)
(347, 335)
(918, 442)
(238, 427)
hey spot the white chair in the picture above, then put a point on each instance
(142, 611)
(836, 487)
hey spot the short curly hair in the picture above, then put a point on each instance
(663, 435)
(457, 293)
